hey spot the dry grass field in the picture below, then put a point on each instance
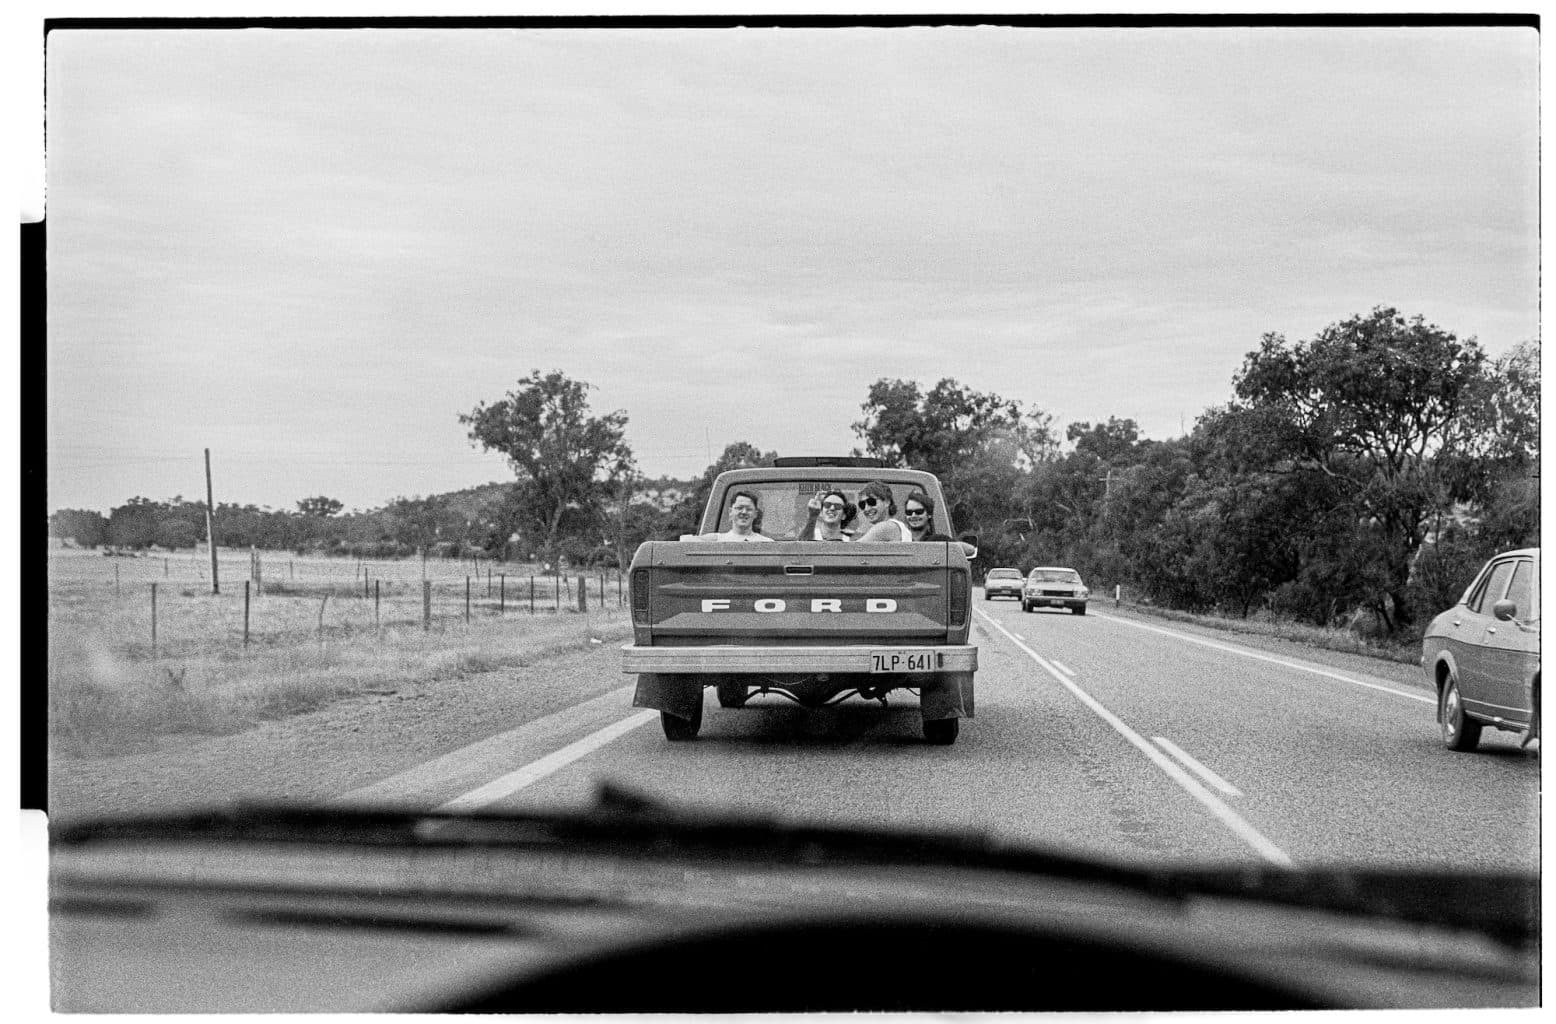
(314, 632)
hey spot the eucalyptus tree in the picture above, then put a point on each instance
(567, 461)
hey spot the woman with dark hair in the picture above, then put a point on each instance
(879, 507)
(918, 512)
(829, 513)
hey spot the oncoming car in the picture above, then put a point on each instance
(1002, 583)
(1482, 656)
(1050, 586)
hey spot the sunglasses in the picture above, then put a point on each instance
(832, 506)
(915, 511)
(747, 509)
(868, 502)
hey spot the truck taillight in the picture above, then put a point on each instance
(957, 612)
(640, 591)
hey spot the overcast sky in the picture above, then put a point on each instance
(310, 251)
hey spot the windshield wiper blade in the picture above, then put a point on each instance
(1502, 905)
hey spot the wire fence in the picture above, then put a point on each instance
(165, 606)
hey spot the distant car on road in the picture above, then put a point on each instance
(1482, 656)
(1054, 586)
(1002, 583)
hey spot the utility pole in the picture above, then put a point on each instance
(210, 524)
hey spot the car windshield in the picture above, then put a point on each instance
(1055, 576)
(394, 381)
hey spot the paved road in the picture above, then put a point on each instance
(1109, 733)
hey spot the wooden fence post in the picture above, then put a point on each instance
(502, 594)
(467, 600)
(153, 620)
(557, 591)
(376, 622)
(245, 614)
(426, 605)
(532, 595)
(583, 599)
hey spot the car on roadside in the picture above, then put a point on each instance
(1002, 583)
(1482, 656)
(1054, 586)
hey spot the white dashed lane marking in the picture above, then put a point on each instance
(1211, 802)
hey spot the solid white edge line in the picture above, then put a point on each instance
(1229, 649)
(506, 785)
(1062, 667)
(1196, 767)
(1218, 807)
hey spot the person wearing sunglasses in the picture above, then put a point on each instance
(918, 512)
(830, 512)
(877, 505)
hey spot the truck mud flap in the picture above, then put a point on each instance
(949, 695)
(680, 695)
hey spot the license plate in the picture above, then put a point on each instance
(1057, 602)
(902, 661)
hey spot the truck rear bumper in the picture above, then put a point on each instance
(773, 660)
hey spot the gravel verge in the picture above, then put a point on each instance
(353, 742)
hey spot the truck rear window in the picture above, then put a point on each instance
(783, 505)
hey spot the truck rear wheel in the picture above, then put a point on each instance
(680, 729)
(731, 691)
(942, 731)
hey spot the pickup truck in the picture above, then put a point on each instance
(811, 621)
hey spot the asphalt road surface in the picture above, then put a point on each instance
(1110, 734)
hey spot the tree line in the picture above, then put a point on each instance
(1368, 470)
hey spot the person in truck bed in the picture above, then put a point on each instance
(745, 517)
(829, 514)
(880, 508)
(918, 512)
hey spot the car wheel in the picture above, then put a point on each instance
(942, 731)
(1079, 609)
(681, 729)
(1460, 732)
(731, 691)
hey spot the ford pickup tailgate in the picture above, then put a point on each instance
(796, 593)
